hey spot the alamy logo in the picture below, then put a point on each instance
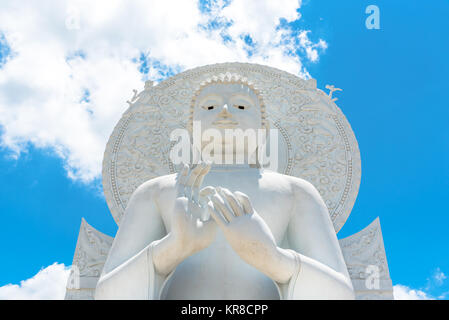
(372, 281)
(373, 20)
(229, 146)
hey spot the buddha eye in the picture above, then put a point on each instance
(240, 107)
(209, 107)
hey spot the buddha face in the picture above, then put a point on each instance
(230, 113)
(228, 106)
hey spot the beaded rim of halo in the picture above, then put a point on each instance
(228, 78)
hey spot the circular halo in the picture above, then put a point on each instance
(316, 142)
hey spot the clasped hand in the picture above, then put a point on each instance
(232, 212)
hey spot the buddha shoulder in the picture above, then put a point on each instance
(153, 188)
(300, 188)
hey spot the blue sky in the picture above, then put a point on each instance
(395, 97)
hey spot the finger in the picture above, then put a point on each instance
(194, 174)
(216, 215)
(182, 177)
(220, 206)
(190, 181)
(199, 181)
(233, 202)
(204, 171)
(207, 191)
(204, 199)
(244, 200)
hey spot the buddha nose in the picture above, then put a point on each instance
(224, 112)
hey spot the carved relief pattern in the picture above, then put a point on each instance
(91, 251)
(364, 249)
(90, 255)
(321, 145)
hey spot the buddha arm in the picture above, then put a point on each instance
(321, 272)
(129, 271)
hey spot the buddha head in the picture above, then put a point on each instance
(228, 102)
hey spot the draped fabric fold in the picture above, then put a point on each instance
(313, 280)
(117, 284)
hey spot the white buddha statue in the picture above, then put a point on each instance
(234, 231)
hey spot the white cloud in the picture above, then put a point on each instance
(401, 292)
(47, 284)
(73, 64)
(439, 277)
(311, 48)
(434, 289)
